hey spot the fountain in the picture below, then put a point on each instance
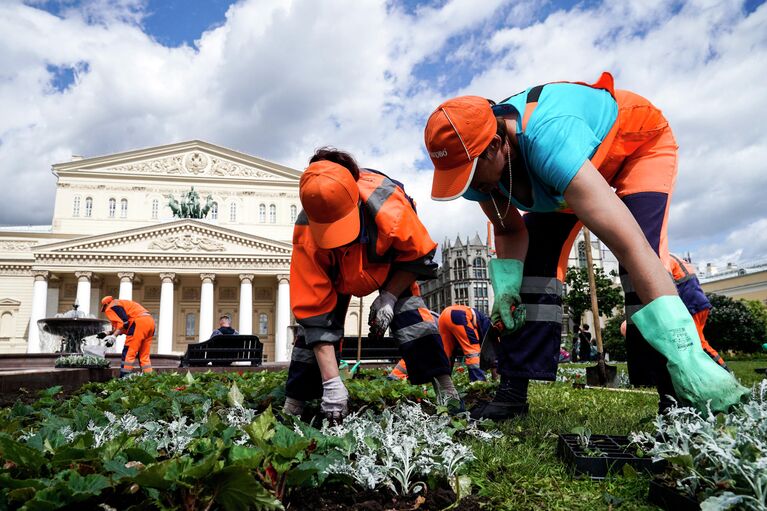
(67, 332)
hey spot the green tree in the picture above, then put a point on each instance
(736, 324)
(577, 298)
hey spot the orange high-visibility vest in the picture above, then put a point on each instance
(391, 237)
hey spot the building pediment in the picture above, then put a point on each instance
(196, 159)
(9, 302)
(185, 237)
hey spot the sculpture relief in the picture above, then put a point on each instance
(188, 243)
(193, 163)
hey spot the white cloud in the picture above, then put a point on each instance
(279, 78)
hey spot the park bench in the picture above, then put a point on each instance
(224, 350)
(385, 349)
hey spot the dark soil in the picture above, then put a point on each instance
(342, 498)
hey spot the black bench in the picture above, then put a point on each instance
(372, 349)
(223, 350)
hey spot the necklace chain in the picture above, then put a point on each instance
(508, 204)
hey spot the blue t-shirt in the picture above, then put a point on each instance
(563, 132)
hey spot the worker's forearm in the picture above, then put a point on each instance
(512, 244)
(399, 281)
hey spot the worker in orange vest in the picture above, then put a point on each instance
(133, 320)
(358, 233)
(573, 154)
(461, 328)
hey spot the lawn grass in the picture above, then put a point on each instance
(521, 469)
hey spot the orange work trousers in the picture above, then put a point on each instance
(139, 338)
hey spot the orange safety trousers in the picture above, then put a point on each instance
(135, 356)
(700, 319)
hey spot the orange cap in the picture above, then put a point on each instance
(456, 134)
(329, 196)
(106, 301)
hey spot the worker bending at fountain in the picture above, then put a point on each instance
(133, 320)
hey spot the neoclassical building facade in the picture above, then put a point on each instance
(112, 233)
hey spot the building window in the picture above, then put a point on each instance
(190, 324)
(272, 214)
(76, 206)
(88, 206)
(263, 324)
(293, 213)
(124, 208)
(233, 212)
(155, 209)
(112, 208)
(262, 213)
(582, 254)
(214, 211)
(481, 305)
(460, 269)
(480, 268)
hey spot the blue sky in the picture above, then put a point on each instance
(277, 78)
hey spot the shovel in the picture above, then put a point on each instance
(601, 375)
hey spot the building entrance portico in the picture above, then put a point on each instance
(196, 276)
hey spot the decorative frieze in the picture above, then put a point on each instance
(194, 163)
(16, 246)
(188, 243)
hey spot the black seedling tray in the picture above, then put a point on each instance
(670, 499)
(761, 370)
(617, 452)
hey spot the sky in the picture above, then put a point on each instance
(278, 78)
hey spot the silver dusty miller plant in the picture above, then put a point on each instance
(725, 455)
(398, 448)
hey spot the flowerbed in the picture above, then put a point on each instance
(719, 459)
(213, 441)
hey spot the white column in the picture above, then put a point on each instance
(39, 299)
(165, 330)
(84, 290)
(246, 304)
(283, 319)
(206, 306)
(126, 285)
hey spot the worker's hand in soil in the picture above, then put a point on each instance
(381, 312)
(109, 341)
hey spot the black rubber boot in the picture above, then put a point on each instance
(510, 401)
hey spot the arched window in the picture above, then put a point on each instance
(263, 324)
(155, 209)
(123, 208)
(460, 269)
(214, 211)
(76, 206)
(262, 213)
(480, 268)
(88, 206)
(112, 207)
(6, 325)
(293, 213)
(272, 214)
(233, 212)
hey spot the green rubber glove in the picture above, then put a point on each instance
(506, 279)
(668, 327)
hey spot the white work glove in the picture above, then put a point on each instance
(109, 341)
(381, 313)
(334, 399)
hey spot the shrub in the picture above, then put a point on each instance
(736, 324)
(614, 342)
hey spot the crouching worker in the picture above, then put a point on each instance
(133, 320)
(462, 329)
(358, 233)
